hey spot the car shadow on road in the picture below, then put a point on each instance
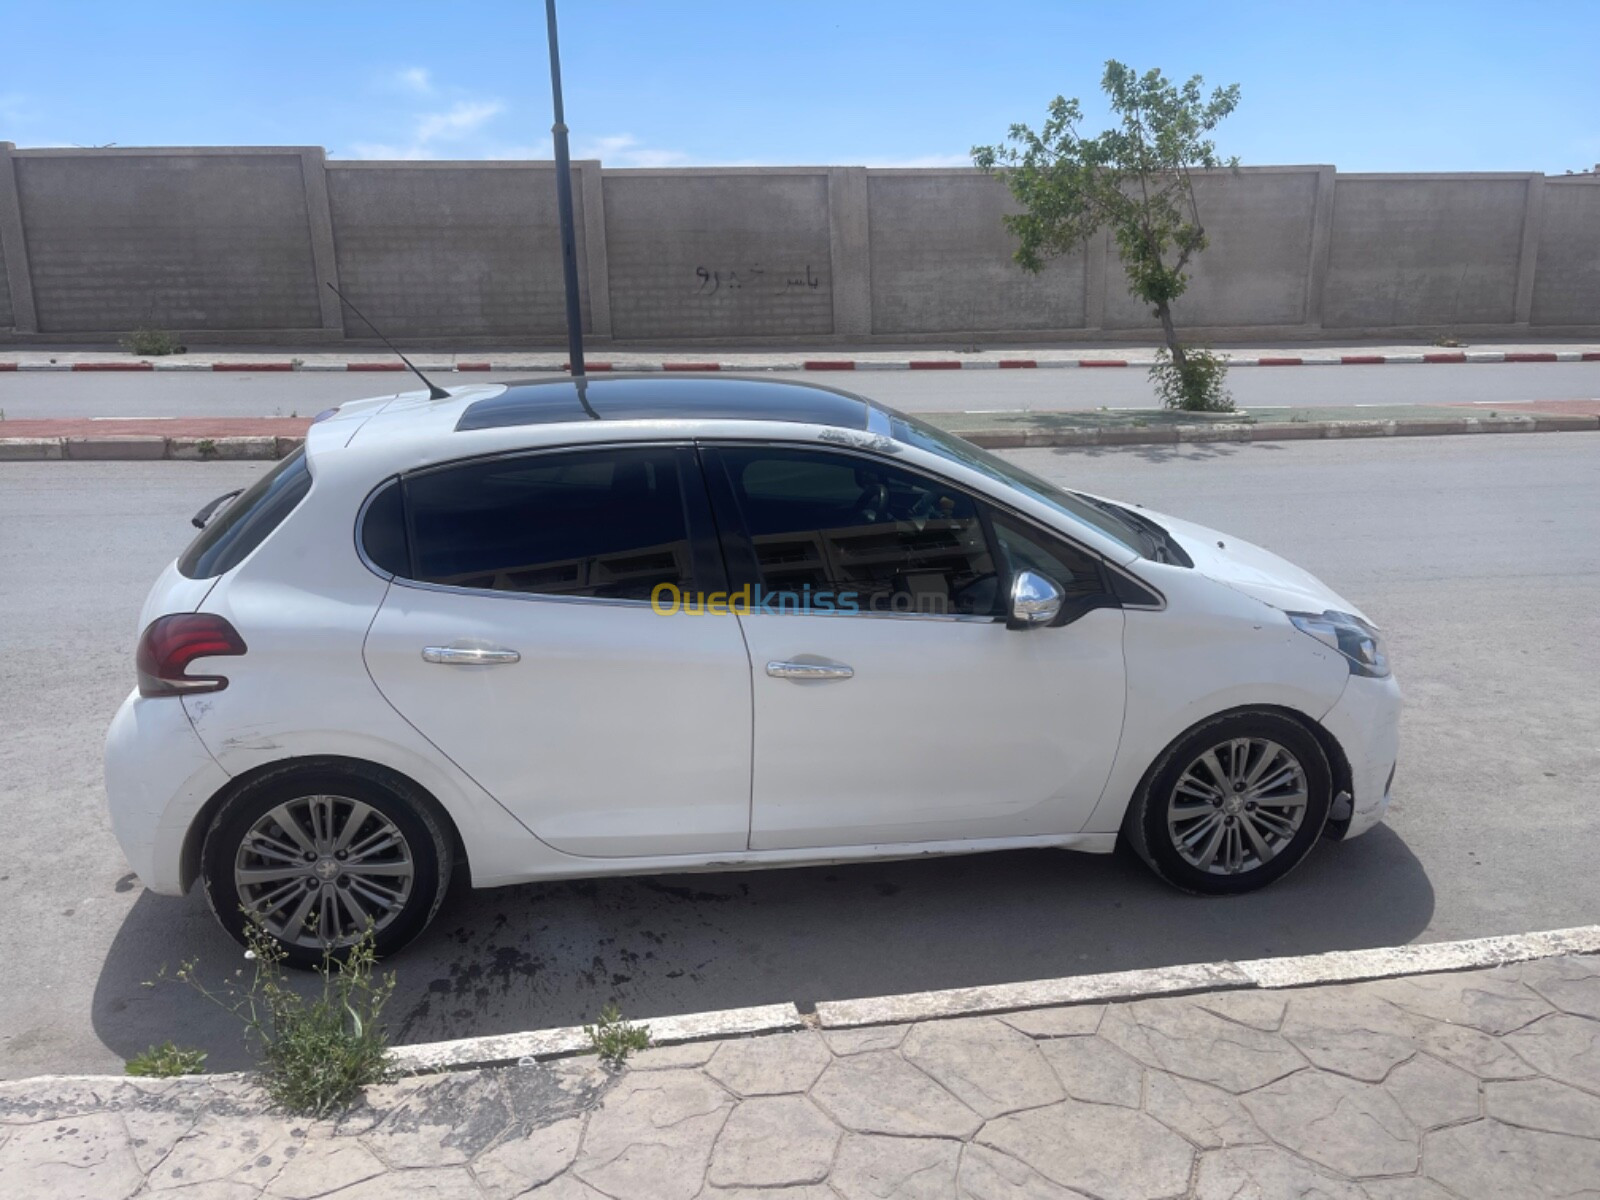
(545, 955)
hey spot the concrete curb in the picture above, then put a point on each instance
(142, 447)
(1336, 966)
(557, 366)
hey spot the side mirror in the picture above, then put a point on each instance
(1035, 601)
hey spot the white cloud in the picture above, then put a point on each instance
(415, 79)
(923, 160)
(624, 150)
(460, 119)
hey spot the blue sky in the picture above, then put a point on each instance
(1366, 87)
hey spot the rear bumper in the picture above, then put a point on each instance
(158, 777)
(1366, 724)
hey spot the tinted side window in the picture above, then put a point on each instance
(606, 523)
(1077, 573)
(831, 522)
(246, 521)
(383, 531)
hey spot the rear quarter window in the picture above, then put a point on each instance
(248, 520)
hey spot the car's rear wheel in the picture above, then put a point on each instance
(1233, 805)
(316, 858)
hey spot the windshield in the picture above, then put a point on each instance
(1101, 518)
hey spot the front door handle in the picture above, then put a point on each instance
(468, 655)
(800, 670)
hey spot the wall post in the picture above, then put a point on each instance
(850, 252)
(24, 317)
(597, 267)
(319, 219)
(1528, 259)
(1321, 246)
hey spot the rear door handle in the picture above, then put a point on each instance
(800, 670)
(468, 655)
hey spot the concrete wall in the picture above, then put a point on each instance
(449, 249)
(719, 254)
(234, 244)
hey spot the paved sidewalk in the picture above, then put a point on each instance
(1481, 1083)
(324, 357)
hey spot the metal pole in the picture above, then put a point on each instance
(569, 240)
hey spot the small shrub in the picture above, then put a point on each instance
(316, 1054)
(166, 1060)
(1445, 340)
(613, 1039)
(206, 448)
(151, 343)
(1197, 386)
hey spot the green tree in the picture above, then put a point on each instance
(1135, 178)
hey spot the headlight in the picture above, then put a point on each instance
(1350, 636)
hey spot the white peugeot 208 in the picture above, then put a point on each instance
(544, 631)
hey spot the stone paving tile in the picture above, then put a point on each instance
(1433, 1093)
(1571, 984)
(1094, 1070)
(864, 1041)
(1259, 1010)
(1351, 1031)
(651, 1137)
(1488, 1160)
(986, 1174)
(984, 1063)
(1563, 1047)
(1473, 1051)
(1410, 1187)
(906, 1168)
(1493, 1001)
(528, 1160)
(80, 1157)
(691, 1054)
(224, 1148)
(445, 1123)
(316, 1168)
(423, 1183)
(1075, 1020)
(772, 1065)
(879, 1092)
(1105, 1151)
(1267, 1173)
(774, 1141)
(1543, 1104)
(1181, 1037)
(1208, 1116)
(1351, 1127)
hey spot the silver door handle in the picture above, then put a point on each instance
(468, 655)
(799, 670)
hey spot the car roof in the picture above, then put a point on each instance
(682, 398)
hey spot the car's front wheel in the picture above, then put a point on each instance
(315, 858)
(1233, 805)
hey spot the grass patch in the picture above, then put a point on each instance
(165, 1061)
(613, 1039)
(151, 343)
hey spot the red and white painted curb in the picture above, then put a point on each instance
(556, 366)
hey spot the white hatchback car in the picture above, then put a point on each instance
(674, 624)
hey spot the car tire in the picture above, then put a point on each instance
(394, 866)
(1234, 804)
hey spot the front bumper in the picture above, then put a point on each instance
(1366, 724)
(158, 777)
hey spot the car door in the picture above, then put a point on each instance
(518, 637)
(892, 703)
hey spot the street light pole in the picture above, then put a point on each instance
(569, 241)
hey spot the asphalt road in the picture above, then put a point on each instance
(1481, 555)
(43, 395)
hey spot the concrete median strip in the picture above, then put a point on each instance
(1021, 430)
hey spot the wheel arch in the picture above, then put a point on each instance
(194, 839)
(1338, 761)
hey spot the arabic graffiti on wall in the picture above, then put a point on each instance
(712, 281)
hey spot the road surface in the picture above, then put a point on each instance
(1481, 556)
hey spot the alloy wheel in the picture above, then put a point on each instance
(1237, 806)
(319, 870)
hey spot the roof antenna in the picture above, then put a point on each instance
(435, 392)
(569, 240)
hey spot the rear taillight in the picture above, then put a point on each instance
(170, 644)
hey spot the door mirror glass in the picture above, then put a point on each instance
(1035, 601)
